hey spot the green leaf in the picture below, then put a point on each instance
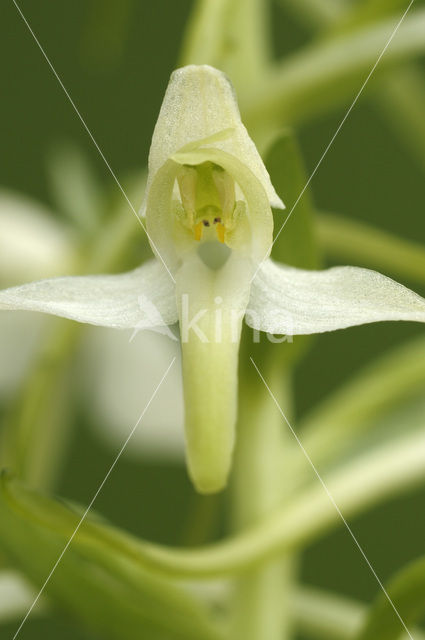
(407, 593)
(327, 616)
(296, 244)
(103, 588)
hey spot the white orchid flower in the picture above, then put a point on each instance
(33, 243)
(208, 213)
(16, 597)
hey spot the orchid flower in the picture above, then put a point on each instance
(209, 221)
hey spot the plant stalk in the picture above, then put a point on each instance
(261, 595)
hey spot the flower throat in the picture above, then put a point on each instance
(207, 194)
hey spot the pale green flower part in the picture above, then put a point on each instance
(208, 215)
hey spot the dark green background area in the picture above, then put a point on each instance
(115, 59)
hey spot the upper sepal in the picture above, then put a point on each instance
(200, 107)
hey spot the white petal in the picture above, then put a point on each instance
(143, 298)
(16, 597)
(200, 102)
(293, 301)
(32, 242)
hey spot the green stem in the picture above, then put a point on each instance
(231, 35)
(363, 13)
(326, 616)
(386, 383)
(332, 71)
(261, 596)
(369, 479)
(364, 482)
(202, 40)
(248, 43)
(355, 241)
(316, 13)
(401, 98)
(401, 94)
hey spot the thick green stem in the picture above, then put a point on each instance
(202, 41)
(362, 483)
(247, 42)
(366, 481)
(261, 607)
(231, 35)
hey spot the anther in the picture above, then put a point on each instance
(198, 231)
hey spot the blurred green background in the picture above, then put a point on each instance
(115, 59)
